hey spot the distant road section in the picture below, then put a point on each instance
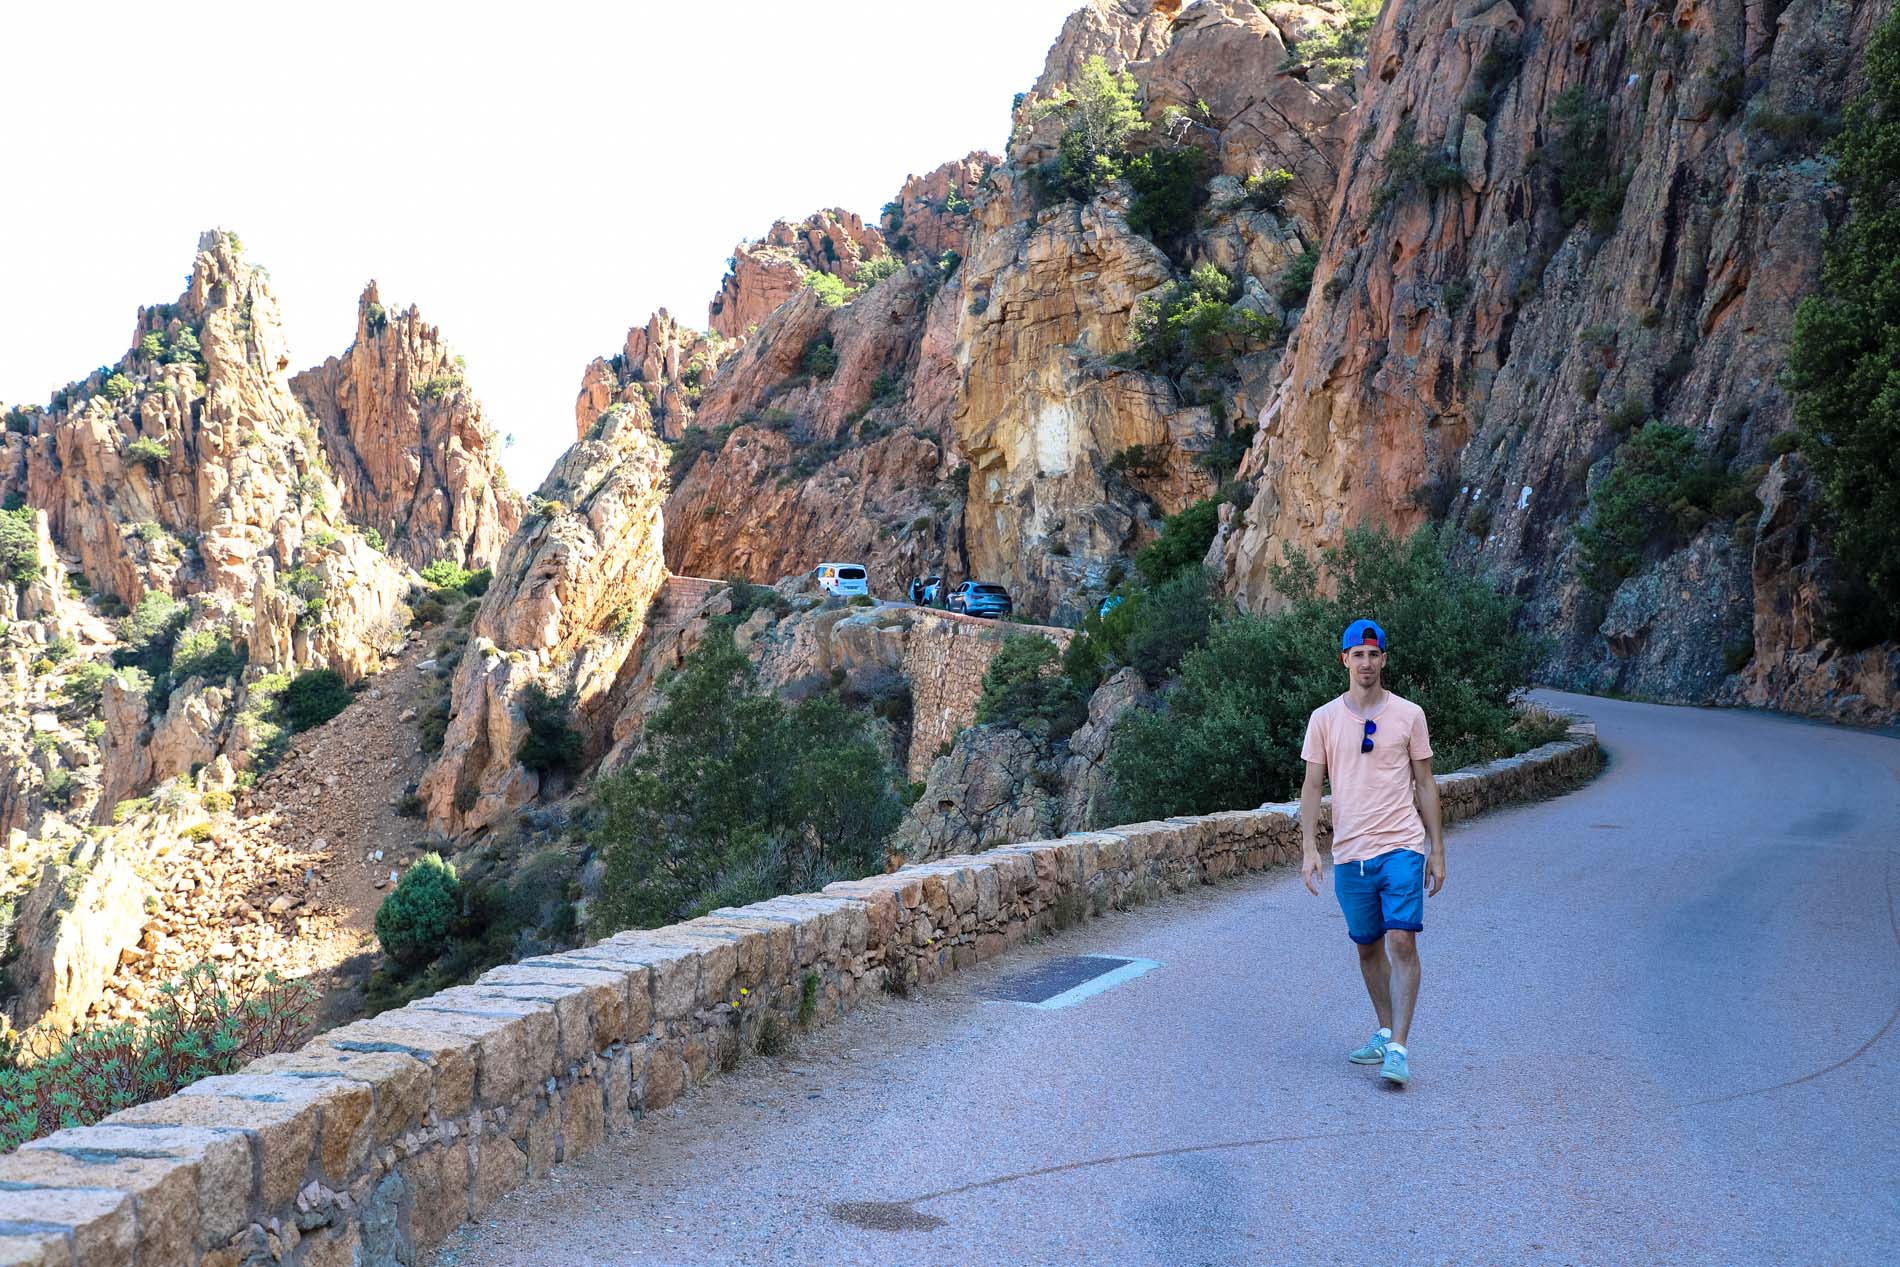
(1658, 1026)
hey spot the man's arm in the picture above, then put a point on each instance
(1310, 791)
(1428, 810)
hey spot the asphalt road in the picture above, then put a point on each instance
(1657, 1026)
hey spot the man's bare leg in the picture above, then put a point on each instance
(1404, 982)
(1377, 971)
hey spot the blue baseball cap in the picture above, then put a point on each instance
(1360, 632)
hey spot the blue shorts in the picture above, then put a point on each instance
(1382, 894)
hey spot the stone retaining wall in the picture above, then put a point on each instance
(372, 1142)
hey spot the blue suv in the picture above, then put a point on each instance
(979, 598)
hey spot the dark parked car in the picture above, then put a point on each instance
(979, 598)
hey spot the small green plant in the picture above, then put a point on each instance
(439, 386)
(1103, 112)
(831, 290)
(1589, 187)
(199, 1026)
(821, 359)
(312, 698)
(1170, 188)
(1631, 413)
(1195, 329)
(551, 746)
(1455, 294)
(147, 452)
(874, 270)
(1268, 189)
(1412, 168)
(1783, 442)
(117, 387)
(374, 539)
(1336, 54)
(19, 547)
(412, 924)
(808, 998)
(1024, 688)
(375, 319)
(1296, 282)
(1183, 542)
(1660, 491)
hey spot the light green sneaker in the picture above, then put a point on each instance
(1373, 1052)
(1395, 1067)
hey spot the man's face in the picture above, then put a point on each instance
(1365, 663)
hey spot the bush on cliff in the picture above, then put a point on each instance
(1103, 112)
(739, 797)
(551, 746)
(19, 548)
(1024, 688)
(313, 698)
(200, 1026)
(1845, 359)
(1230, 733)
(1659, 492)
(1195, 328)
(1170, 188)
(413, 922)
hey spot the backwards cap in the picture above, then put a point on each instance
(1360, 632)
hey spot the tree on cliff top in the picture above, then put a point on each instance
(1844, 364)
(1103, 113)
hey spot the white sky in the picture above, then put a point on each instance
(535, 178)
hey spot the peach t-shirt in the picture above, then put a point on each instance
(1373, 811)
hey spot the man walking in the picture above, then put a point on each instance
(1374, 748)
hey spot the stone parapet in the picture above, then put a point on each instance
(374, 1141)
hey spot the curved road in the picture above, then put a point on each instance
(1658, 1026)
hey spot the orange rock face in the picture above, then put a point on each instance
(1473, 350)
(416, 460)
(931, 213)
(764, 274)
(664, 363)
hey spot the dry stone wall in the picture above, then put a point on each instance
(945, 659)
(375, 1140)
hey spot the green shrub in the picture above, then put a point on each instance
(206, 654)
(1336, 54)
(1024, 688)
(375, 539)
(19, 548)
(184, 348)
(439, 386)
(117, 387)
(147, 638)
(821, 359)
(85, 685)
(739, 797)
(1152, 629)
(1141, 461)
(146, 452)
(1296, 282)
(1783, 442)
(1268, 189)
(1845, 359)
(413, 921)
(551, 745)
(1183, 543)
(1659, 491)
(1170, 188)
(1589, 187)
(1628, 415)
(59, 787)
(832, 291)
(1411, 168)
(1231, 731)
(199, 1026)
(1103, 112)
(1195, 329)
(874, 270)
(313, 698)
(375, 319)
(446, 574)
(1455, 293)
(1498, 66)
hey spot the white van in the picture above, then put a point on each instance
(846, 580)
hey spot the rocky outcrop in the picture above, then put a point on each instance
(664, 363)
(1469, 334)
(931, 213)
(997, 785)
(71, 930)
(413, 457)
(564, 614)
(762, 275)
(804, 466)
